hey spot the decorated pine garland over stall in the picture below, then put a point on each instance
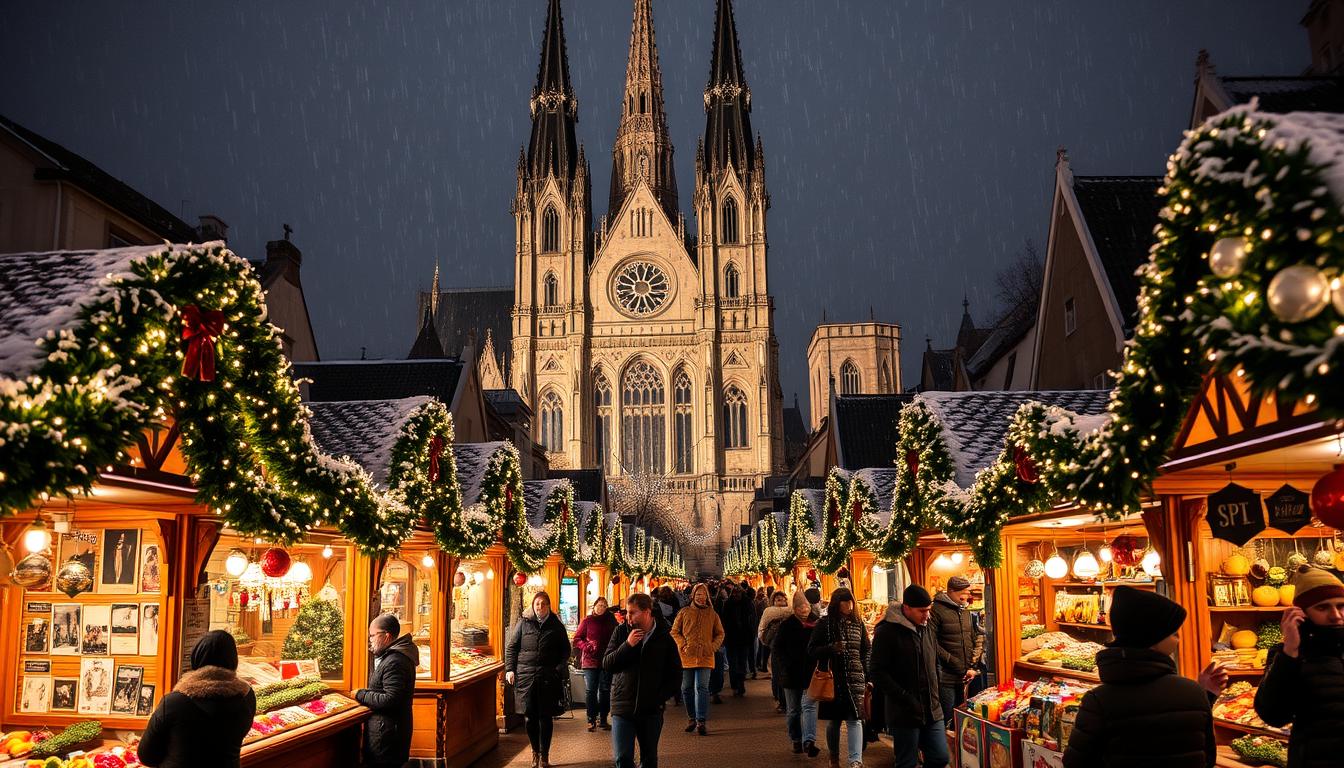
(926, 493)
(175, 332)
(1245, 278)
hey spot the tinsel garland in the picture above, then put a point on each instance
(115, 372)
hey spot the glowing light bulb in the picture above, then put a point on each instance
(1085, 566)
(427, 561)
(490, 573)
(299, 573)
(942, 561)
(1104, 554)
(326, 552)
(1152, 563)
(235, 563)
(37, 538)
(477, 578)
(1056, 567)
(957, 557)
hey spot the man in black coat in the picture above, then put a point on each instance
(1144, 712)
(645, 669)
(387, 735)
(960, 643)
(904, 667)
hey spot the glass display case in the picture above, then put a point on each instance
(473, 640)
(407, 592)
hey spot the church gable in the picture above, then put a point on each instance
(642, 272)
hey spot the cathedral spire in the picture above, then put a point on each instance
(642, 147)
(727, 100)
(553, 148)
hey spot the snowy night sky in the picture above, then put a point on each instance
(910, 146)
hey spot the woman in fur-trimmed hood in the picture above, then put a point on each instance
(203, 721)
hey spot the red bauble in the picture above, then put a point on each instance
(912, 462)
(616, 579)
(1126, 551)
(811, 574)
(459, 579)
(1327, 498)
(275, 562)
(1026, 466)
(520, 579)
(243, 599)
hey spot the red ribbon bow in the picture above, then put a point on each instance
(200, 328)
(564, 512)
(435, 451)
(856, 509)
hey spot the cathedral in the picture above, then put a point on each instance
(642, 344)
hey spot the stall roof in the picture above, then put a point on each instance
(816, 504)
(867, 429)
(975, 423)
(882, 482)
(472, 459)
(364, 430)
(535, 494)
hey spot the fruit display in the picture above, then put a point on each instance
(1045, 708)
(1053, 648)
(1265, 596)
(1078, 609)
(69, 739)
(1261, 750)
(1236, 704)
(285, 693)
(1237, 565)
(20, 743)
(1270, 633)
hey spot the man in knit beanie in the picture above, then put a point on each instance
(960, 643)
(1304, 684)
(904, 670)
(1144, 712)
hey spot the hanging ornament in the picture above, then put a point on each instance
(1056, 567)
(1327, 498)
(1085, 565)
(459, 579)
(912, 461)
(1288, 509)
(243, 599)
(1026, 466)
(1324, 557)
(811, 574)
(1228, 256)
(1104, 554)
(520, 579)
(1151, 562)
(235, 563)
(200, 328)
(74, 578)
(616, 578)
(1298, 293)
(1035, 569)
(1126, 551)
(275, 562)
(435, 451)
(33, 571)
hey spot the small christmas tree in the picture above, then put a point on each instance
(318, 633)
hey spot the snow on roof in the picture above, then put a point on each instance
(365, 430)
(585, 512)
(472, 460)
(975, 423)
(881, 482)
(1321, 132)
(816, 506)
(535, 494)
(42, 293)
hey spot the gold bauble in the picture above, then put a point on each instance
(74, 578)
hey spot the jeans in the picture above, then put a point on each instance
(695, 692)
(645, 729)
(717, 674)
(539, 729)
(739, 664)
(597, 686)
(931, 740)
(853, 740)
(802, 718)
(950, 696)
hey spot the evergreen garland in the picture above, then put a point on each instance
(502, 494)
(439, 503)
(838, 538)
(318, 633)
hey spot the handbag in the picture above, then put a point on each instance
(822, 687)
(866, 713)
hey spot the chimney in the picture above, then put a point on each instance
(283, 253)
(212, 227)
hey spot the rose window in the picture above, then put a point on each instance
(641, 288)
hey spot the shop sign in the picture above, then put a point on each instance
(1236, 514)
(1289, 509)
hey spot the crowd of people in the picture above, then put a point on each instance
(907, 678)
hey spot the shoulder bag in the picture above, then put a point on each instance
(822, 687)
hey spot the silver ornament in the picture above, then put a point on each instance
(1035, 569)
(32, 571)
(1298, 293)
(1228, 256)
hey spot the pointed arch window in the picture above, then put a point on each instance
(602, 419)
(551, 291)
(884, 379)
(552, 422)
(734, 418)
(643, 417)
(849, 378)
(550, 230)
(730, 220)
(732, 282)
(681, 423)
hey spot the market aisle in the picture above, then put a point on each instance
(744, 732)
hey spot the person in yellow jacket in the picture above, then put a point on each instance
(698, 633)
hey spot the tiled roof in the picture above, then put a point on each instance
(506, 402)
(1004, 337)
(867, 428)
(975, 423)
(365, 430)
(942, 367)
(1288, 94)
(463, 311)
(381, 379)
(472, 459)
(535, 494)
(882, 483)
(587, 482)
(1120, 213)
(70, 167)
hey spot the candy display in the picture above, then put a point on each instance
(1054, 648)
(466, 659)
(285, 718)
(1236, 704)
(1044, 709)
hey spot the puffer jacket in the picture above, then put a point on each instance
(790, 663)
(904, 670)
(960, 643)
(534, 654)
(202, 722)
(847, 667)
(698, 633)
(644, 677)
(1308, 692)
(1143, 713)
(387, 737)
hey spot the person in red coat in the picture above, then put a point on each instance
(591, 639)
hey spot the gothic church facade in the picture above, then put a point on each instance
(642, 344)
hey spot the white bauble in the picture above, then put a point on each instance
(1056, 567)
(1298, 293)
(1085, 566)
(1228, 256)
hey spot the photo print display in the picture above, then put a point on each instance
(97, 630)
(64, 694)
(151, 570)
(126, 690)
(35, 694)
(37, 635)
(67, 629)
(149, 629)
(125, 629)
(121, 557)
(146, 706)
(95, 686)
